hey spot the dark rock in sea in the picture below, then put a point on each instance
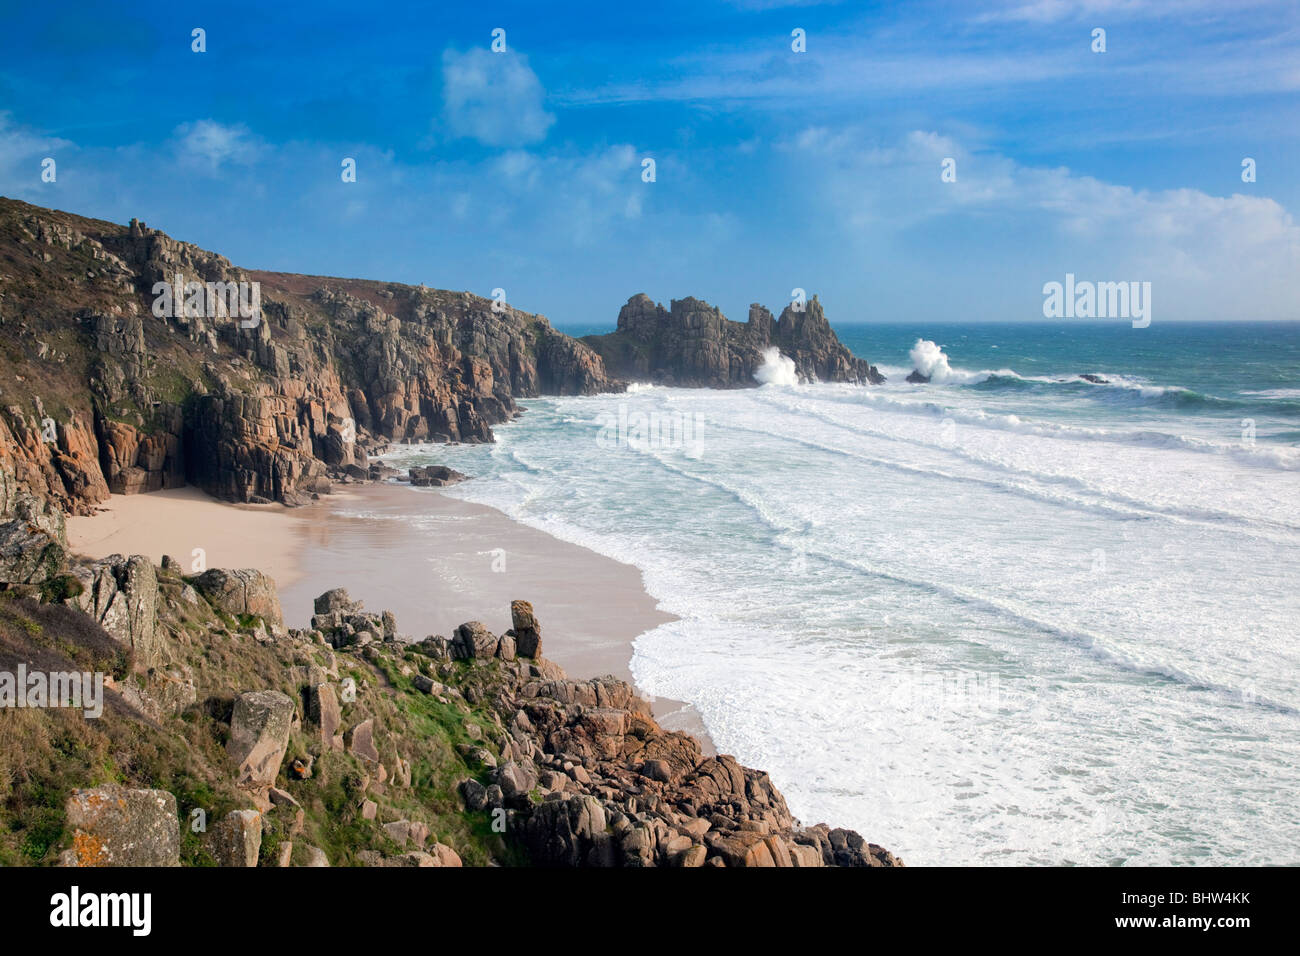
(693, 344)
(434, 475)
(916, 378)
(1095, 379)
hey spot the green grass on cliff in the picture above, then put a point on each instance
(47, 753)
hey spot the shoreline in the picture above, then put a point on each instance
(433, 560)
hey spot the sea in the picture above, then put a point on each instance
(1044, 609)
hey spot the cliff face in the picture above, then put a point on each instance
(694, 344)
(101, 395)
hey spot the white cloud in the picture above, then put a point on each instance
(80, 175)
(1209, 257)
(19, 141)
(21, 152)
(211, 145)
(577, 196)
(494, 98)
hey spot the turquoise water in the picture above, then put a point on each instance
(1011, 616)
(1204, 372)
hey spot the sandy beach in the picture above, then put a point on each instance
(434, 561)
(180, 521)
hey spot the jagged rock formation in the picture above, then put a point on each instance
(590, 779)
(100, 394)
(693, 344)
(121, 595)
(242, 592)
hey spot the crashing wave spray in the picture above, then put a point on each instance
(928, 359)
(777, 369)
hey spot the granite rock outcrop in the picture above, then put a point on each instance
(692, 344)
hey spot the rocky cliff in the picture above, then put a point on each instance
(100, 394)
(693, 344)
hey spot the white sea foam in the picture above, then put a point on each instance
(777, 369)
(928, 359)
(1275, 393)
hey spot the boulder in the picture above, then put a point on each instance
(695, 856)
(259, 736)
(325, 712)
(434, 475)
(474, 794)
(242, 591)
(122, 595)
(438, 648)
(516, 781)
(236, 839)
(528, 632)
(314, 856)
(445, 855)
(423, 684)
(657, 770)
(399, 831)
(506, 648)
(117, 826)
(336, 600)
(473, 639)
(360, 741)
(33, 542)
(569, 832)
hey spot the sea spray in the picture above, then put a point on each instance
(777, 369)
(928, 359)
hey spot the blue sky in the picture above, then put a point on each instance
(774, 169)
